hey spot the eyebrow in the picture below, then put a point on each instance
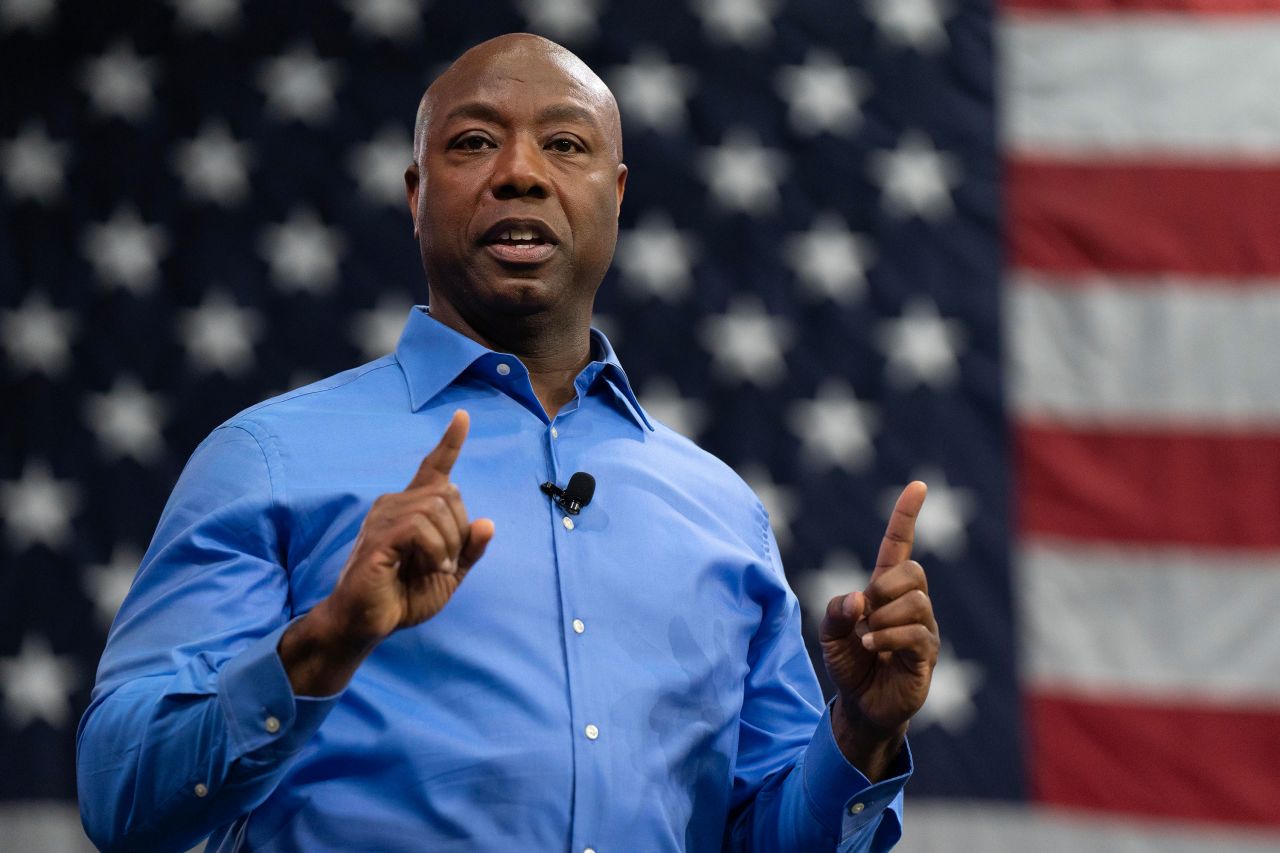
(482, 111)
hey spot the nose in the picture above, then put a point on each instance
(519, 171)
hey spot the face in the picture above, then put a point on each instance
(516, 193)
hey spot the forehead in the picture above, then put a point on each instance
(515, 80)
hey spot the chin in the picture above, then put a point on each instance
(519, 296)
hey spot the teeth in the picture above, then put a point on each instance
(518, 234)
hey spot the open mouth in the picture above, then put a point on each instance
(520, 242)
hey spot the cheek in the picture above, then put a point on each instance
(596, 206)
(445, 215)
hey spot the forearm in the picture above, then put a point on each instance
(316, 658)
(163, 761)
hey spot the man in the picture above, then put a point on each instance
(315, 656)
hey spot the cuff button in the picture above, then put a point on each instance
(202, 790)
(272, 725)
(856, 808)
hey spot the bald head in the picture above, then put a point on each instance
(515, 191)
(510, 57)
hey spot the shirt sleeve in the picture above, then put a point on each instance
(192, 721)
(793, 788)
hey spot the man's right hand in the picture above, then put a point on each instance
(413, 550)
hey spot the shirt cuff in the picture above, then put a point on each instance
(841, 797)
(259, 705)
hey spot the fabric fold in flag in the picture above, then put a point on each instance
(1142, 320)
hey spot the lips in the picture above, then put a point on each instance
(520, 241)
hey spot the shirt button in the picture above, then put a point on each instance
(578, 626)
(202, 790)
(856, 808)
(588, 850)
(568, 523)
(592, 731)
(504, 369)
(555, 433)
(271, 724)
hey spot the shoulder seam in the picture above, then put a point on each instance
(764, 531)
(243, 426)
(288, 397)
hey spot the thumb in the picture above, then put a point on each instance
(479, 536)
(843, 613)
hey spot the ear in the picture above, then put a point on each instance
(622, 184)
(412, 185)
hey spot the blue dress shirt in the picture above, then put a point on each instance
(631, 679)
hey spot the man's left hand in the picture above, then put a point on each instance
(880, 646)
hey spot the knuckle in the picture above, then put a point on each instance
(917, 572)
(879, 592)
(423, 528)
(881, 619)
(430, 542)
(918, 599)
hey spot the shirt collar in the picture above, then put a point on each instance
(432, 355)
(602, 350)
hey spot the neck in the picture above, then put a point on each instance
(554, 352)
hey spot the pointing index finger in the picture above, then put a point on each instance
(900, 533)
(437, 464)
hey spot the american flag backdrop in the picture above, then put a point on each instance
(1024, 252)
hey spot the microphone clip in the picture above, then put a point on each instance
(575, 496)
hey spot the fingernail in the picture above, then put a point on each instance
(448, 567)
(868, 641)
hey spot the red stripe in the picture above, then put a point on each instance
(1183, 762)
(1211, 489)
(1195, 7)
(1135, 217)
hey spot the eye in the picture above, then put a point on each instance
(472, 142)
(565, 145)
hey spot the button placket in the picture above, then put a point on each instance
(561, 449)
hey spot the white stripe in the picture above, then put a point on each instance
(1202, 354)
(40, 825)
(931, 826)
(1189, 85)
(1170, 624)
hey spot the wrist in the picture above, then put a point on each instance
(867, 745)
(332, 628)
(319, 655)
